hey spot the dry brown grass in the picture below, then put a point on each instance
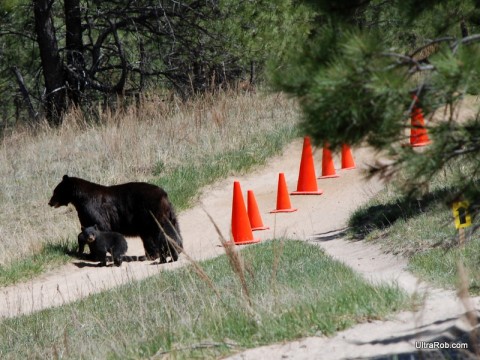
(126, 146)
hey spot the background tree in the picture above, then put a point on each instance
(51, 62)
(362, 63)
(81, 52)
(260, 30)
(16, 61)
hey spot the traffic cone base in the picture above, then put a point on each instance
(253, 213)
(418, 144)
(318, 192)
(230, 243)
(307, 180)
(283, 199)
(329, 176)
(246, 242)
(282, 210)
(241, 229)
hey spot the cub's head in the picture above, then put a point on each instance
(90, 233)
(62, 194)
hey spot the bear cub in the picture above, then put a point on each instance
(101, 242)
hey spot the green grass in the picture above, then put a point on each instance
(293, 290)
(440, 266)
(50, 256)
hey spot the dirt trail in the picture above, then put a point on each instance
(316, 214)
(319, 219)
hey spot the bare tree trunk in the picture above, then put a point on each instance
(54, 76)
(25, 94)
(74, 50)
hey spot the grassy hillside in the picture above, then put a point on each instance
(178, 146)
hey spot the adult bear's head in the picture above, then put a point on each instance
(62, 195)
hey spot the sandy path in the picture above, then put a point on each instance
(320, 219)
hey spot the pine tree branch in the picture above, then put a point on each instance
(464, 41)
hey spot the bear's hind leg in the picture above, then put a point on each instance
(151, 249)
(173, 253)
(168, 248)
(174, 241)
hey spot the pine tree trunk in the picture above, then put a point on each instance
(74, 49)
(53, 73)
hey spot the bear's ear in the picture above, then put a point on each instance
(65, 177)
(96, 227)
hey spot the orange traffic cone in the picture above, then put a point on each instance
(283, 199)
(328, 169)
(418, 132)
(307, 180)
(253, 213)
(241, 229)
(347, 158)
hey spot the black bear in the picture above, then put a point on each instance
(95, 256)
(132, 209)
(102, 242)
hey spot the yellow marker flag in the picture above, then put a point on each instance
(461, 214)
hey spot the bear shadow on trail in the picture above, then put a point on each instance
(84, 260)
(380, 217)
(84, 264)
(71, 250)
